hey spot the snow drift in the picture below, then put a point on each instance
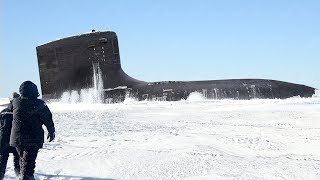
(191, 139)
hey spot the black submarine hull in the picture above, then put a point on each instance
(69, 64)
(215, 89)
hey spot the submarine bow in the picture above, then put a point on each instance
(69, 64)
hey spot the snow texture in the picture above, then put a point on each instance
(191, 139)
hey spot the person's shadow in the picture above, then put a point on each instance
(64, 177)
(71, 177)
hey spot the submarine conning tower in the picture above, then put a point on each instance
(67, 64)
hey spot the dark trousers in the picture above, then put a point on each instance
(28, 158)
(4, 155)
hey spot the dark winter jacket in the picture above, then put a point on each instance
(29, 114)
(6, 117)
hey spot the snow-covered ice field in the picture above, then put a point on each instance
(191, 139)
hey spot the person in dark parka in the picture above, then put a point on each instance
(6, 117)
(27, 135)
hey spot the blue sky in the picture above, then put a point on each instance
(172, 40)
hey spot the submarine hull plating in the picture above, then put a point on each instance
(222, 89)
(67, 64)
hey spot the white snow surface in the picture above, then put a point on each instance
(4, 101)
(190, 139)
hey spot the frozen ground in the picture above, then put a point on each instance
(192, 139)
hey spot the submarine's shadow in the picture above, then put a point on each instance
(48, 176)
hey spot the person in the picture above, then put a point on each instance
(27, 135)
(6, 117)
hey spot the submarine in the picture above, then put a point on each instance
(69, 64)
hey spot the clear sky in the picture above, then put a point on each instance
(172, 39)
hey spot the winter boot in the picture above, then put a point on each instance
(1, 176)
(27, 178)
